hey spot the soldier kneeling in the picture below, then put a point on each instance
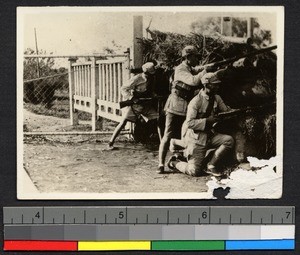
(199, 135)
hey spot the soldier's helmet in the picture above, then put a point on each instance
(189, 50)
(210, 78)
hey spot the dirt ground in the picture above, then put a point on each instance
(80, 163)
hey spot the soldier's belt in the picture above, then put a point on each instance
(184, 93)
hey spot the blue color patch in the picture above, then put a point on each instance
(260, 245)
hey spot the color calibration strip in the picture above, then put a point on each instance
(149, 245)
(148, 228)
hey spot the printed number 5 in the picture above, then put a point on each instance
(121, 215)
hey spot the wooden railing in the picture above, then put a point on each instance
(95, 87)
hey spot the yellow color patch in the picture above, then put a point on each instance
(114, 246)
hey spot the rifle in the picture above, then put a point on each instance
(133, 101)
(243, 111)
(233, 59)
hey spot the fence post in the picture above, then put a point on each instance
(126, 76)
(250, 27)
(73, 112)
(137, 46)
(94, 93)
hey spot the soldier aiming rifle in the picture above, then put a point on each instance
(187, 146)
(138, 104)
(187, 81)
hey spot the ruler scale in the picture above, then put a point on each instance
(149, 228)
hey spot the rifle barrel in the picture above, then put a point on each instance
(244, 110)
(233, 59)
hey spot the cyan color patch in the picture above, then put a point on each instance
(260, 245)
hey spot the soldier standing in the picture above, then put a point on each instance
(187, 79)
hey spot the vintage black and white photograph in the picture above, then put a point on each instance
(150, 102)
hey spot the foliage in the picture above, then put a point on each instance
(166, 47)
(32, 65)
(206, 25)
(38, 86)
(239, 27)
(210, 26)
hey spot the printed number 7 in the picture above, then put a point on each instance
(288, 214)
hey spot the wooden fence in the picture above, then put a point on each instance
(95, 87)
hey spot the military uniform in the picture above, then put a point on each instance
(186, 81)
(199, 136)
(138, 86)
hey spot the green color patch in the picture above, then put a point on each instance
(188, 245)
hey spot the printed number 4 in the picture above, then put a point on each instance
(37, 215)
